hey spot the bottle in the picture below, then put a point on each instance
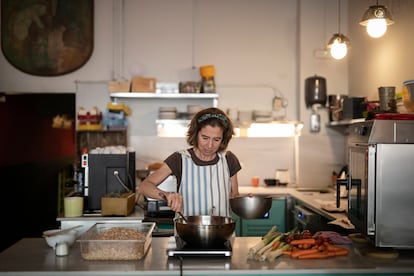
(75, 183)
(208, 84)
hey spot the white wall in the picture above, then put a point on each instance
(386, 61)
(258, 47)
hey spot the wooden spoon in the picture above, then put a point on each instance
(165, 199)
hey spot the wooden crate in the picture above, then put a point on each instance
(117, 204)
(140, 84)
(119, 86)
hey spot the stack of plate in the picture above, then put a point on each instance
(262, 115)
(166, 112)
(193, 109)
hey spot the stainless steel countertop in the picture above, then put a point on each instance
(32, 256)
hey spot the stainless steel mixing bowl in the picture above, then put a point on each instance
(251, 206)
(205, 231)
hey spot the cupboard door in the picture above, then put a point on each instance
(259, 227)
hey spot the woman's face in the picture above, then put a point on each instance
(209, 139)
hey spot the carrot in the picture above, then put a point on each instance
(275, 245)
(303, 241)
(321, 247)
(342, 252)
(287, 252)
(298, 253)
(316, 255)
(333, 248)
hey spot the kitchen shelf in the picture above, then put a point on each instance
(178, 96)
(179, 127)
(345, 122)
(342, 126)
(143, 95)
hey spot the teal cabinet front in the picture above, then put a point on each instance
(259, 227)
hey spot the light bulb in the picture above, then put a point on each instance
(376, 27)
(339, 50)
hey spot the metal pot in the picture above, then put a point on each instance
(205, 231)
(251, 207)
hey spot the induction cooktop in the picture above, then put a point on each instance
(178, 248)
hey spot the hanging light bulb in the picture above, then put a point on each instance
(339, 43)
(376, 19)
(338, 46)
(376, 27)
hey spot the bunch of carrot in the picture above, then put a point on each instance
(314, 248)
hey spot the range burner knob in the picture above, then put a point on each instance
(363, 130)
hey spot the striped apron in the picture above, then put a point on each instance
(205, 189)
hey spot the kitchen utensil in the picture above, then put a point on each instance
(51, 233)
(408, 95)
(335, 107)
(251, 206)
(118, 241)
(205, 231)
(387, 98)
(315, 118)
(354, 108)
(73, 206)
(315, 91)
(52, 239)
(271, 181)
(62, 249)
(283, 176)
(181, 215)
(255, 181)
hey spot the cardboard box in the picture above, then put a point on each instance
(140, 84)
(117, 204)
(119, 86)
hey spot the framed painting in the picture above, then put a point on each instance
(47, 37)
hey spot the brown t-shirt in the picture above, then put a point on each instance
(174, 162)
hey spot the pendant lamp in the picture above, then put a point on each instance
(339, 43)
(376, 19)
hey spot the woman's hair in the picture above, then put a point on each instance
(213, 117)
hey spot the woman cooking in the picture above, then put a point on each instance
(206, 173)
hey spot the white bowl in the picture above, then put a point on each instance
(67, 237)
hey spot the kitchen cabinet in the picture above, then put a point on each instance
(259, 227)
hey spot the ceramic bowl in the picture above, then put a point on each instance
(271, 181)
(67, 237)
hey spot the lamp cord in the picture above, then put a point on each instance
(339, 16)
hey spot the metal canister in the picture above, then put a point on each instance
(387, 98)
(315, 91)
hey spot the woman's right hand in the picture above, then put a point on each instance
(174, 201)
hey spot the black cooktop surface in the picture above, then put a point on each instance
(177, 247)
